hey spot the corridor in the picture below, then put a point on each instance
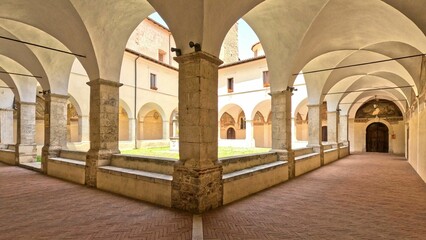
(363, 196)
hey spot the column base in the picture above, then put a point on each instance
(46, 153)
(197, 189)
(318, 149)
(94, 159)
(285, 155)
(25, 153)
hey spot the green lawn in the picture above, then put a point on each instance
(165, 152)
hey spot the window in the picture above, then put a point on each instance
(230, 85)
(153, 81)
(265, 78)
(243, 123)
(161, 55)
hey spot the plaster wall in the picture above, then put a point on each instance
(357, 136)
(416, 136)
(149, 38)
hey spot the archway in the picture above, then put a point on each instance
(152, 126)
(123, 130)
(230, 133)
(73, 125)
(377, 138)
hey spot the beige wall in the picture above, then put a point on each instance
(149, 38)
(357, 136)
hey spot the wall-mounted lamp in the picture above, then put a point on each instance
(177, 50)
(291, 89)
(196, 46)
(44, 92)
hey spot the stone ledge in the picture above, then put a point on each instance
(330, 150)
(252, 171)
(67, 161)
(137, 174)
(7, 150)
(306, 156)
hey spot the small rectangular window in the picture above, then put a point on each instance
(153, 81)
(230, 85)
(266, 79)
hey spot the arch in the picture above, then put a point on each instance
(230, 133)
(174, 117)
(123, 124)
(74, 120)
(150, 122)
(377, 138)
(231, 114)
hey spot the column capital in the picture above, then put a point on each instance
(55, 95)
(313, 105)
(27, 103)
(101, 81)
(282, 92)
(190, 57)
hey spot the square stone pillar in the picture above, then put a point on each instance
(343, 129)
(197, 178)
(6, 127)
(249, 134)
(26, 148)
(55, 127)
(84, 128)
(103, 119)
(281, 128)
(333, 127)
(315, 130)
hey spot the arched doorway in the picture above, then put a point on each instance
(230, 133)
(377, 139)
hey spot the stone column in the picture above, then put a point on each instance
(343, 129)
(249, 133)
(103, 118)
(333, 127)
(26, 148)
(281, 128)
(166, 130)
(55, 127)
(197, 178)
(132, 129)
(6, 127)
(293, 130)
(315, 131)
(84, 128)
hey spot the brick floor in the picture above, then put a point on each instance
(365, 196)
(34, 206)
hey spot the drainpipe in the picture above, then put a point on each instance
(134, 106)
(169, 50)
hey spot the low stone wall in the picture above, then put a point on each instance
(7, 156)
(306, 163)
(331, 155)
(145, 178)
(144, 163)
(232, 164)
(151, 188)
(248, 174)
(70, 166)
(344, 151)
(302, 151)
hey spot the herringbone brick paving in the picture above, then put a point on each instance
(33, 206)
(364, 196)
(368, 196)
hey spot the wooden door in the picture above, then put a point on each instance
(377, 138)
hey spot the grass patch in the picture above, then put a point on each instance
(165, 152)
(38, 158)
